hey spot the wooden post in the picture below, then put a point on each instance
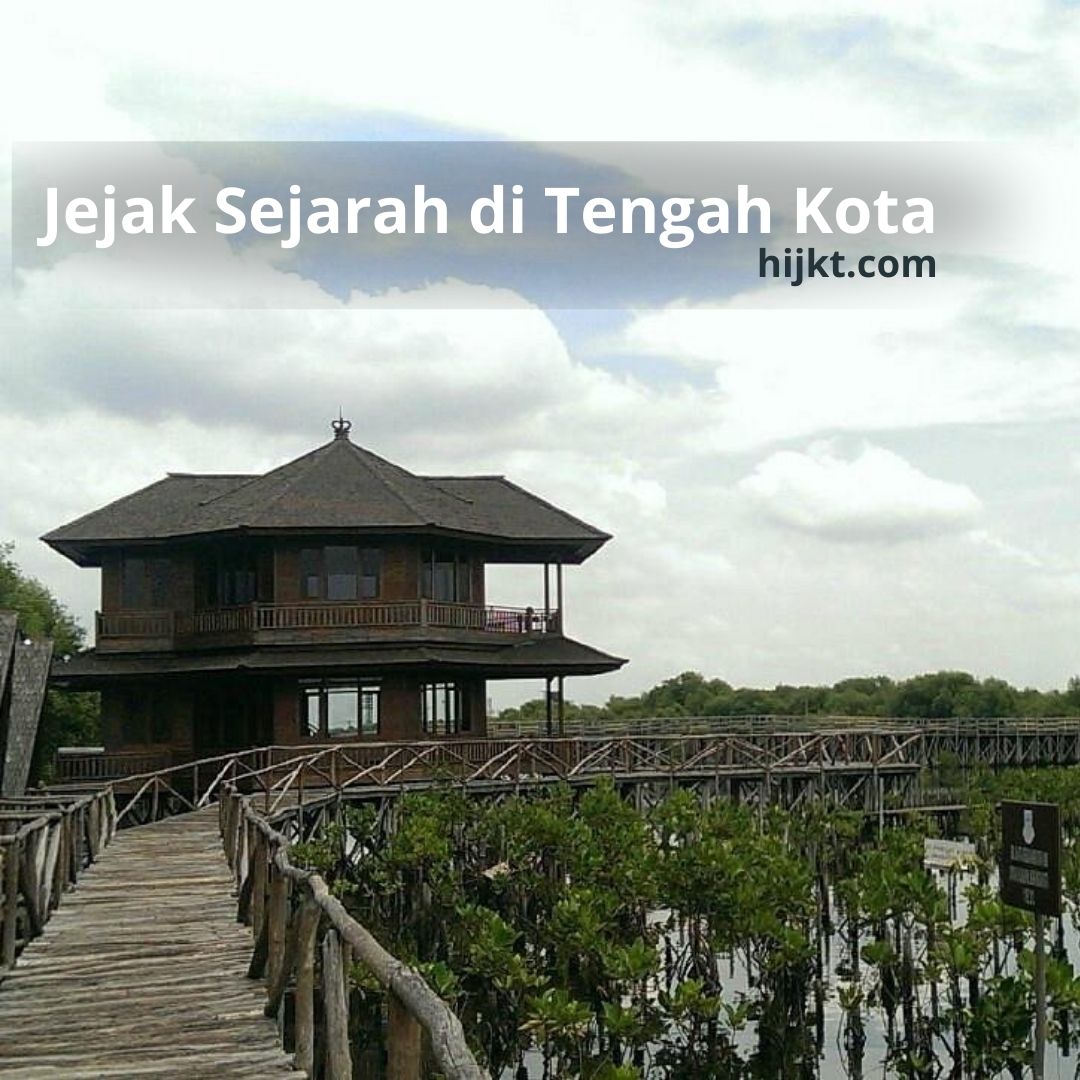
(277, 914)
(92, 834)
(336, 1005)
(307, 926)
(111, 803)
(1039, 1060)
(558, 599)
(236, 829)
(258, 880)
(77, 843)
(404, 1043)
(58, 856)
(12, 855)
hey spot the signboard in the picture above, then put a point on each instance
(946, 854)
(1031, 857)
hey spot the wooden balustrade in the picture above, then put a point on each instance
(165, 629)
(45, 843)
(135, 624)
(91, 768)
(297, 925)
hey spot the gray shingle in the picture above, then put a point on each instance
(337, 486)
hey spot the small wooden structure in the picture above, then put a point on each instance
(338, 596)
(24, 671)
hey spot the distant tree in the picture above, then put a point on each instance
(67, 719)
(935, 695)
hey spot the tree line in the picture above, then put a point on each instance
(935, 695)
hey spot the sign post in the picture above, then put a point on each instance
(1030, 878)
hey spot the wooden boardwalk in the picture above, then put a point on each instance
(142, 970)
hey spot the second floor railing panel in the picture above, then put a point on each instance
(136, 625)
(139, 630)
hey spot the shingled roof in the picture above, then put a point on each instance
(337, 487)
(535, 657)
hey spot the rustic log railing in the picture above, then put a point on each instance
(742, 749)
(45, 843)
(279, 774)
(297, 925)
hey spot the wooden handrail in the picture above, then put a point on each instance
(142, 628)
(55, 839)
(290, 911)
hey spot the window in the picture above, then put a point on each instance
(231, 578)
(342, 565)
(145, 583)
(442, 712)
(339, 707)
(340, 572)
(446, 577)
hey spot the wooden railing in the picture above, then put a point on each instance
(296, 923)
(167, 629)
(135, 624)
(93, 767)
(1002, 726)
(45, 843)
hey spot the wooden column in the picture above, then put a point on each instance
(258, 880)
(277, 914)
(336, 1006)
(306, 933)
(12, 855)
(404, 1043)
(559, 596)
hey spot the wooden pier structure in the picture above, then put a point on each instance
(143, 970)
(188, 944)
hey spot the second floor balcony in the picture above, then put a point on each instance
(312, 623)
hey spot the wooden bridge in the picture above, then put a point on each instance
(191, 946)
(143, 970)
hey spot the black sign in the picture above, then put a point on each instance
(1031, 857)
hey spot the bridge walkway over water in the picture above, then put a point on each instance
(142, 970)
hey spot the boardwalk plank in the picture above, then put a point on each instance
(142, 971)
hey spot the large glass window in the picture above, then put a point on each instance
(340, 572)
(442, 709)
(339, 707)
(446, 577)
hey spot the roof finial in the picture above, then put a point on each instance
(341, 426)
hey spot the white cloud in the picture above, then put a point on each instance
(874, 496)
(94, 404)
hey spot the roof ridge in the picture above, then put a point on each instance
(211, 475)
(254, 478)
(361, 453)
(461, 476)
(556, 509)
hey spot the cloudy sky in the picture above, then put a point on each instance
(796, 495)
